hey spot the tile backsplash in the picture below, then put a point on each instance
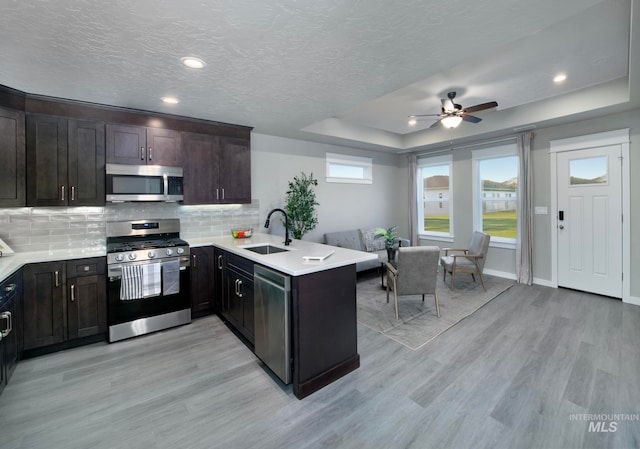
(44, 229)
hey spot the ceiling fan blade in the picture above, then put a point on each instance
(447, 105)
(424, 115)
(470, 118)
(480, 107)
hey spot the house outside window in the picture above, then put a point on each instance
(434, 184)
(495, 187)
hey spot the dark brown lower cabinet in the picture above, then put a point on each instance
(10, 326)
(58, 308)
(202, 287)
(44, 304)
(86, 298)
(238, 295)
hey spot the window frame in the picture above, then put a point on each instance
(434, 161)
(497, 152)
(366, 163)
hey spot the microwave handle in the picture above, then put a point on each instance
(165, 180)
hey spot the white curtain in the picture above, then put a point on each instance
(413, 199)
(524, 241)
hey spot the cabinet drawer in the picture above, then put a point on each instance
(9, 288)
(86, 267)
(240, 263)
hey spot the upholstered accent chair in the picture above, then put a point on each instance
(415, 273)
(469, 260)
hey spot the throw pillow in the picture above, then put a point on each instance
(371, 242)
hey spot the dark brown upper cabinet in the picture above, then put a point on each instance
(65, 162)
(217, 170)
(137, 145)
(12, 158)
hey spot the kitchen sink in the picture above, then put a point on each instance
(265, 249)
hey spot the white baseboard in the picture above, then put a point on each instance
(500, 274)
(544, 282)
(632, 300)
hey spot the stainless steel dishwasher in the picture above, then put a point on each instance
(272, 299)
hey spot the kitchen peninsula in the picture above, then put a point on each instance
(322, 318)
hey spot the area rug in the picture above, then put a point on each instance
(418, 323)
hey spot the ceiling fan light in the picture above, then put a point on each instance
(451, 122)
(412, 121)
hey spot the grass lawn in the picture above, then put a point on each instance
(497, 224)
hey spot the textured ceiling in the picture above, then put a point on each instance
(347, 72)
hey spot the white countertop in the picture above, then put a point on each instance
(10, 263)
(290, 262)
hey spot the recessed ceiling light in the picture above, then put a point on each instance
(192, 63)
(170, 100)
(560, 77)
(412, 121)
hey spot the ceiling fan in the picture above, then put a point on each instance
(452, 113)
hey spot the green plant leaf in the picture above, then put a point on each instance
(300, 204)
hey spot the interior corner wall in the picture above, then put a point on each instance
(276, 160)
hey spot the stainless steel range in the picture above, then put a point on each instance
(148, 269)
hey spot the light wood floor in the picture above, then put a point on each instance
(509, 376)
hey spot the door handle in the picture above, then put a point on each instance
(9, 288)
(57, 278)
(73, 292)
(6, 316)
(150, 153)
(73, 193)
(223, 193)
(240, 294)
(142, 153)
(220, 262)
(561, 226)
(217, 194)
(195, 265)
(62, 193)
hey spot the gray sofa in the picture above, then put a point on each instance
(362, 240)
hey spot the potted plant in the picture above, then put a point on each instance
(301, 204)
(391, 240)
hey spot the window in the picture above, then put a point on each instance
(495, 187)
(349, 169)
(434, 196)
(588, 171)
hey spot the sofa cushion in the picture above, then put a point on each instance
(371, 242)
(345, 239)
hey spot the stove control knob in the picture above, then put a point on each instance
(151, 255)
(169, 252)
(119, 257)
(132, 256)
(180, 250)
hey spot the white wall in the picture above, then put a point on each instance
(276, 160)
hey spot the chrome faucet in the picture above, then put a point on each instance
(287, 240)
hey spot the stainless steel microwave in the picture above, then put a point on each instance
(144, 183)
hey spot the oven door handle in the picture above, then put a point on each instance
(115, 271)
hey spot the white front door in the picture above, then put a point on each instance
(590, 220)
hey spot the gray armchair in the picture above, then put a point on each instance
(469, 261)
(415, 273)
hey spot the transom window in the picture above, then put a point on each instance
(349, 169)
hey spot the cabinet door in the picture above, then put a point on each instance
(239, 290)
(47, 161)
(86, 163)
(44, 305)
(200, 168)
(233, 309)
(164, 147)
(9, 355)
(218, 280)
(12, 159)
(126, 144)
(235, 170)
(87, 306)
(202, 292)
(248, 320)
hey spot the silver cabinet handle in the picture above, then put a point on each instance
(9, 288)
(9, 328)
(223, 193)
(220, 262)
(62, 198)
(73, 193)
(57, 278)
(217, 194)
(195, 265)
(150, 153)
(142, 153)
(73, 292)
(240, 294)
